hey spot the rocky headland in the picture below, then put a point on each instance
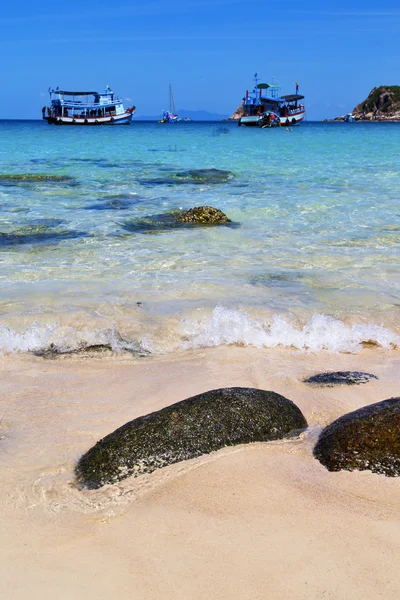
(382, 104)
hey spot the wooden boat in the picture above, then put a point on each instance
(86, 108)
(271, 109)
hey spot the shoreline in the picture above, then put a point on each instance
(341, 120)
(242, 522)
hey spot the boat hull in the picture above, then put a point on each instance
(123, 119)
(259, 120)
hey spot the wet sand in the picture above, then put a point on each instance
(254, 521)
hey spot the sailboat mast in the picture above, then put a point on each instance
(171, 100)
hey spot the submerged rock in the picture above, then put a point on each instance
(204, 176)
(200, 215)
(193, 176)
(187, 429)
(120, 204)
(368, 438)
(340, 378)
(204, 215)
(153, 223)
(16, 178)
(34, 234)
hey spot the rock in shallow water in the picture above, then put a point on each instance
(204, 215)
(178, 219)
(368, 438)
(340, 378)
(187, 429)
(193, 176)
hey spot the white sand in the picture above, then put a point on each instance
(257, 521)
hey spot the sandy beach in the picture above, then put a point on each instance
(256, 521)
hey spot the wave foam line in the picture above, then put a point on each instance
(62, 340)
(321, 332)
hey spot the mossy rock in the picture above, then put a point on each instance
(368, 438)
(204, 215)
(192, 177)
(36, 234)
(204, 176)
(178, 219)
(33, 178)
(187, 429)
(333, 378)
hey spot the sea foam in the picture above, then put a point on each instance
(223, 327)
(59, 339)
(321, 332)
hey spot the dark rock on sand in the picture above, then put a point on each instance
(340, 378)
(368, 438)
(187, 429)
(204, 215)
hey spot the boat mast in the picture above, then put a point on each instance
(171, 100)
(255, 85)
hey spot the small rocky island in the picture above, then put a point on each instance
(382, 104)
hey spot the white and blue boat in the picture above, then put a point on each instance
(349, 118)
(265, 107)
(86, 108)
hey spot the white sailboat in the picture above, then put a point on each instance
(170, 116)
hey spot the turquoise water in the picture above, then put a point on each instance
(311, 259)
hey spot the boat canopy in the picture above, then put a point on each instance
(76, 93)
(292, 97)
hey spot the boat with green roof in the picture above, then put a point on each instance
(266, 107)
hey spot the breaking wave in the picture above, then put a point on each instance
(223, 327)
(321, 332)
(52, 340)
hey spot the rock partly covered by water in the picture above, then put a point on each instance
(33, 178)
(368, 438)
(204, 176)
(187, 429)
(113, 343)
(330, 379)
(204, 215)
(37, 234)
(192, 177)
(178, 219)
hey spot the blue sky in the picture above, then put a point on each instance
(208, 49)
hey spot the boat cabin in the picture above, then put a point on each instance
(85, 104)
(86, 108)
(256, 103)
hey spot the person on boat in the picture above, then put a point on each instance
(43, 111)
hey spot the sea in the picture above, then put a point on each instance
(92, 254)
(112, 308)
